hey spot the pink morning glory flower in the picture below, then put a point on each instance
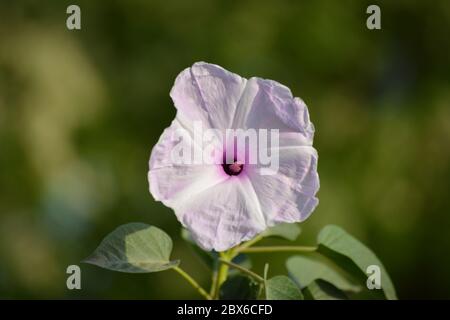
(224, 191)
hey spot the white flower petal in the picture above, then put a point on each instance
(208, 93)
(289, 194)
(222, 216)
(267, 104)
(171, 182)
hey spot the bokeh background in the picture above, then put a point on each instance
(81, 110)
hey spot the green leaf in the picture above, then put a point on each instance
(351, 255)
(282, 288)
(306, 269)
(289, 231)
(134, 248)
(239, 287)
(322, 290)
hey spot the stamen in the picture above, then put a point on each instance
(233, 169)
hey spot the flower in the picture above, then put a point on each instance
(231, 199)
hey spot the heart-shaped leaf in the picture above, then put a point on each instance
(134, 248)
(282, 288)
(307, 269)
(351, 255)
(322, 290)
(288, 231)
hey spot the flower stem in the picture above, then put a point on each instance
(214, 279)
(223, 271)
(278, 249)
(244, 270)
(192, 282)
(248, 244)
(220, 276)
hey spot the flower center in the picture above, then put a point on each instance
(233, 169)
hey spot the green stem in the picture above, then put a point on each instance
(223, 271)
(220, 276)
(192, 282)
(214, 279)
(279, 249)
(248, 244)
(244, 270)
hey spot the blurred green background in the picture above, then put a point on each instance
(81, 110)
